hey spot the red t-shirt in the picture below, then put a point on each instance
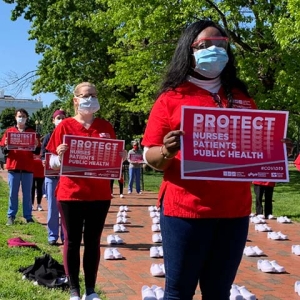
(272, 184)
(195, 198)
(76, 188)
(18, 159)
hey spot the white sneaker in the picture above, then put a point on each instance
(118, 239)
(297, 287)
(273, 236)
(152, 208)
(296, 250)
(155, 228)
(283, 219)
(117, 228)
(158, 291)
(154, 214)
(278, 268)
(257, 220)
(258, 251)
(93, 296)
(261, 216)
(148, 293)
(246, 294)
(160, 251)
(108, 254)
(156, 238)
(129, 192)
(265, 266)
(262, 227)
(121, 196)
(39, 208)
(235, 293)
(32, 208)
(282, 236)
(111, 239)
(271, 217)
(154, 253)
(122, 214)
(44, 196)
(248, 251)
(116, 253)
(155, 220)
(157, 270)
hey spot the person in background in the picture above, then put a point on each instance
(37, 182)
(53, 225)
(121, 187)
(134, 168)
(204, 223)
(19, 165)
(262, 189)
(81, 200)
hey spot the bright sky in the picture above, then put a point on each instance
(17, 52)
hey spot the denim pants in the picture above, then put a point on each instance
(54, 228)
(15, 179)
(204, 251)
(134, 174)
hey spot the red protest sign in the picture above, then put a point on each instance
(24, 141)
(48, 170)
(136, 158)
(234, 144)
(92, 157)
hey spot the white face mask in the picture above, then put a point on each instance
(88, 105)
(21, 120)
(57, 121)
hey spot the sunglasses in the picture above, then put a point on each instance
(221, 42)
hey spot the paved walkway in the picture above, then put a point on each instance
(123, 279)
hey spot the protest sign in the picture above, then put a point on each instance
(233, 144)
(24, 141)
(48, 170)
(136, 158)
(92, 157)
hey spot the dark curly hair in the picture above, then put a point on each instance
(180, 65)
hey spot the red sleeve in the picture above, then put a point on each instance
(56, 138)
(158, 124)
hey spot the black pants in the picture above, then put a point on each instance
(73, 215)
(37, 184)
(260, 191)
(121, 186)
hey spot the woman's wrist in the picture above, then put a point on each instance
(165, 155)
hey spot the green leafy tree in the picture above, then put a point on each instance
(7, 118)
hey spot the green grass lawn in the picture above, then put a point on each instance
(286, 202)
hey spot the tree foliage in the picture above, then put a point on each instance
(123, 46)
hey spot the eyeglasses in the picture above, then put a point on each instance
(208, 42)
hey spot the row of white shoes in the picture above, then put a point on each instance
(152, 293)
(268, 266)
(114, 239)
(123, 208)
(240, 293)
(156, 251)
(112, 253)
(260, 219)
(157, 270)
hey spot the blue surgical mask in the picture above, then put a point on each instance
(88, 105)
(210, 62)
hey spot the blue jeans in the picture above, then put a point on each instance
(134, 173)
(207, 251)
(14, 181)
(54, 228)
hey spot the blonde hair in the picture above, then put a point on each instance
(80, 85)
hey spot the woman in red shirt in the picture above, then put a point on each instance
(81, 200)
(204, 224)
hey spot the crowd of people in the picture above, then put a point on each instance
(204, 224)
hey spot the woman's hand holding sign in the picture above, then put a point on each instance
(61, 149)
(171, 144)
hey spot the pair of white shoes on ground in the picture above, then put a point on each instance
(297, 287)
(120, 228)
(253, 251)
(122, 220)
(157, 270)
(156, 238)
(296, 249)
(155, 227)
(262, 227)
(277, 236)
(240, 293)
(152, 293)
(156, 251)
(114, 239)
(257, 220)
(153, 208)
(93, 296)
(112, 253)
(122, 214)
(267, 266)
(154, 214)
(283, 219)
(123, 208)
